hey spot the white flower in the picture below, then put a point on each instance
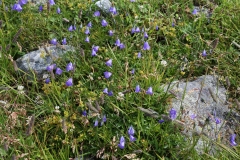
(20, 88)
(164, 63)
(45, 76)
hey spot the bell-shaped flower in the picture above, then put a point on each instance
(149, 91)
(96, 123)
(64, 41)
(87, 31)
(117, 43)
(173, 114)
(105, 90)
(113, 10)
(109, 63)
(94, 53)
(53, 41)
(204, 53)
(89, 25)
(137, 89)
(22, 2)
(110, 32)
(132, 138)
(96, 14)
(131, 130)
(107, 74)
(69, 67)
(58, 71)
(104, 23)
(145, 35)
(110, 93)
(121, 144)
(139, 55)
(58, 10)
(47, 81)
(232, 140)
(40, 9)
(122, 46)
(51, 2)
(146, 46)
(69, 82)
(87, 39)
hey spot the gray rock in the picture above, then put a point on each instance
(38, 2)
(198, 103)
(37, 61)
(104, 5)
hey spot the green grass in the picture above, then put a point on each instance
(51, 138)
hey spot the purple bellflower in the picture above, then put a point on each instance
(64, 41)
(71, 28)
(149, 91)
(195, 11)
(217, 120)
(173, 114)
(58, 10)
(131, 130)
(69, 67)
(95, 48)
(22, 2)
(157, 28)
(117, 43)
(121, 144)
(107, 74)
(110, 33)
(109, 63)
(89, 25)
(17, 7)
(53, 41)
(47, 81)
(139, 55)
(87, 39)
(96, 14)
(96, 123)
(133, 71)
(94, 53)
(104, 23)
(69, 82)
(40, 9)
(51, 2)
(51, 67)
(122, 46)
(145, 35)
(58, 71)
(137, 89)
(146, 46)
(137, 30)
(133, 30)
(132, 138)
(204, 53)
(110, 93)
(105, 90)
(161, 121)
(84, 113)
(232, 140)
(113, 10)
(87, 31)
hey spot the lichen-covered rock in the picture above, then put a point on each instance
(37, 61)
(201, 106)
(104, 5)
